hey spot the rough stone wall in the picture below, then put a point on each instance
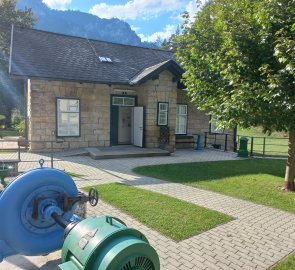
(150, 93)
(198, 123)
(94, 111)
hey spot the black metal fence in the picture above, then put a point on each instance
(221, 141)
(266, 146)
(16, 147)
(257, 146)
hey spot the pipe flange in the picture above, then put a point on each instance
(43, 223)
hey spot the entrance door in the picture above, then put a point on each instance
(124, 125)
(137, 126)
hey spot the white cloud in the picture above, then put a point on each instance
(134, 28)
(169, 30)
(57, 4)
(191, 8)
(136, 8)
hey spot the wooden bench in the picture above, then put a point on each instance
(11, 162)
(184, 141)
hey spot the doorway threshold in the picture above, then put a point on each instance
(124, 151)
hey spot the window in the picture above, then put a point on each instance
(105, 59)
(123, 101)
(68, 117)
(213, 125)
(162, 113)
(181, 119)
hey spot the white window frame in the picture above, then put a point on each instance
(183, 115)
(123, 101)
(68, 129)
(213, 125)
(162, 114)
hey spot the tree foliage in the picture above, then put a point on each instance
(171, 43)
(239, 57)
(239, 60)
(10, 90)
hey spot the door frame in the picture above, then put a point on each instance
(143, 126)
(114, 128)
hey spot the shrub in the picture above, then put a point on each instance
(18, 121)
(2, 121)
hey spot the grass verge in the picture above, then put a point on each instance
(72, 174)
(4, 133)
(174, 218)
(6, 152)
(257, 180)
(286, 264)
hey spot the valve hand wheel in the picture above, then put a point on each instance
(93, 196)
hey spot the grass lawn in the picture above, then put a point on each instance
(286, 264)
(172, 217)
(72, 174)
(257, 180)
(275, 145)
(4, 133)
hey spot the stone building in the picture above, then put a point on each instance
(89, 93)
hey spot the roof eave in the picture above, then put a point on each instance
(26, 77)
(171, 65)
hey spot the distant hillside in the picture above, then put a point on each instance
(82, 24)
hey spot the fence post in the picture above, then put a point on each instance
(235, 143)
(264, 146)
(18, 151)
(252, 145)
(51, 155)
(225, 144)
(205, 142)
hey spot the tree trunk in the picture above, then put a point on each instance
(290, 168)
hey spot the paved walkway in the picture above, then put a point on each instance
(257, 238)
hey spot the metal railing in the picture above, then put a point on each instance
(266, 146)
(221, 141)
(257, 146)
(15, 146)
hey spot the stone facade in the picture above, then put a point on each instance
(162, 89)
(95, 112)
(198, 123)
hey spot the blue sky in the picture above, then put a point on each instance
(150, 19)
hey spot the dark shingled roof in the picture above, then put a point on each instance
(45, 55)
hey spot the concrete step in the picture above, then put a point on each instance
(125, 152)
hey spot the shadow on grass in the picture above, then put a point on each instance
(208, 171)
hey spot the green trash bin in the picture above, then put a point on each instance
(243, 151)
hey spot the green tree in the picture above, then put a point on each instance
(171, 43)
(10, 90)
(10, 15)
(239, 57)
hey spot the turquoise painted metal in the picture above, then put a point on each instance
(5, 171)
(106, 243)
(243, 151)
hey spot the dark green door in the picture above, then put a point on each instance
(114, 125)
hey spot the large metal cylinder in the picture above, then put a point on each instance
(26, 205)
(105, 243)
